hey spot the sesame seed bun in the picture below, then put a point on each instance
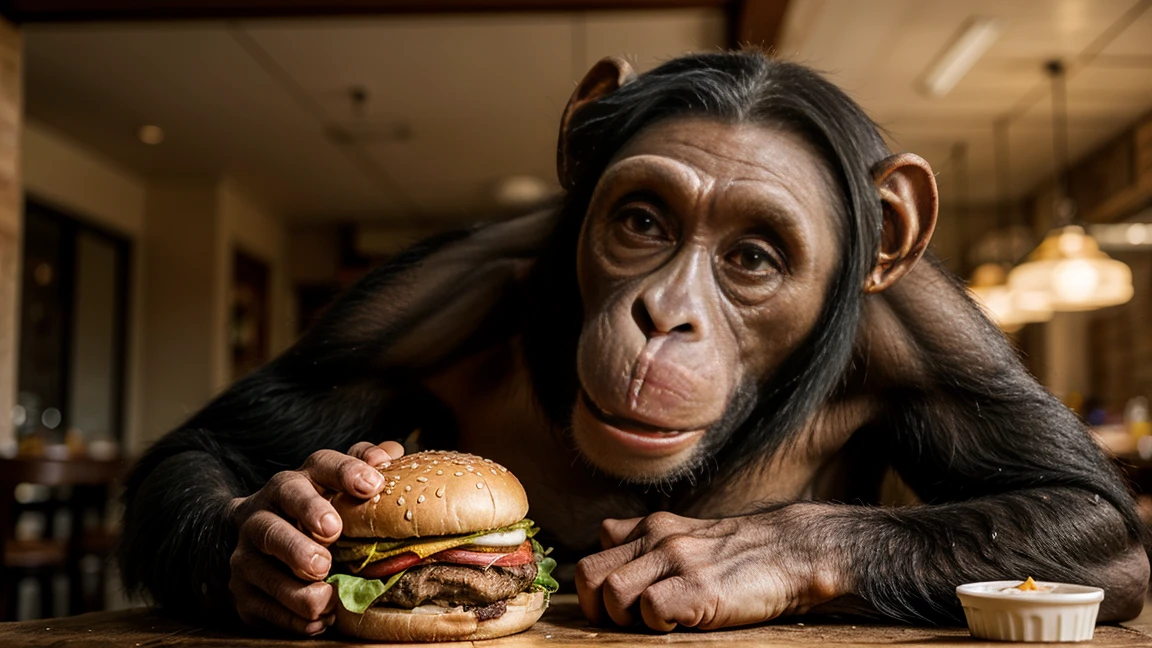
(435, 493)
(453, 624)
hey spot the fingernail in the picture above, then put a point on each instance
(329, 525)
(320, 564)
(368, 482)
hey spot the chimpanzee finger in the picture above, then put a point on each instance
(298, 497)
(623, 587)
(614, 532)
(591, 572)
(669, 602)
(340, 472)
(394, 450)
(308, 600)
(272, 535)
(371, 454)
(259, 609)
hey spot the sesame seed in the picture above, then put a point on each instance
(414, 465)
(440, 492)
(407, 489)
(458, 474)
(386, 464)
(377, 498)
(479, 485)
(493, 471)
(468, 468)
(421, 479)
(408, 514)
(400, 502)
(435, 462)
(439, 472)
(420, 500)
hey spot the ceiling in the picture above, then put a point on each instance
(458, 102)
(878, 50)
(476, 98)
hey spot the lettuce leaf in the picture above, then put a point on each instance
(370, 552)
(358, 594)
(544, 566)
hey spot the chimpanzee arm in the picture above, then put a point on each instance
(1013, 483)
(352, 377)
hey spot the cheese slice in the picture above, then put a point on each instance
(370, 552)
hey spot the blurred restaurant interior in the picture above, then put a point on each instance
(185, 185)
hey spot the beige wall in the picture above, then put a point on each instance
(66, 175)
(252, 228)
(183, 233)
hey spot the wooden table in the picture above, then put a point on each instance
(562, 625)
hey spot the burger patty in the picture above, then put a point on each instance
(459, 584)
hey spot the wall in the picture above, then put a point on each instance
(79, 182)
(181, 305)
(249, 226)
(11, 114)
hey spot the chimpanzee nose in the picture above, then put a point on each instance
(672, 301)
(650, 328)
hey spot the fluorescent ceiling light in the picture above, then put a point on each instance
(955, 62)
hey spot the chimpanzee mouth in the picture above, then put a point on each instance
(623, 423)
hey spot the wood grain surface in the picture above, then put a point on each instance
(562, 625)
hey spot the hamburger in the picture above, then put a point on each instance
(443, 553)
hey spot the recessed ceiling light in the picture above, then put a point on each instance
(150, 134)
(961, 55)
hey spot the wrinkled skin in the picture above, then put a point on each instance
(698, 265)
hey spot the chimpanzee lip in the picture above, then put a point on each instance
(623, 423)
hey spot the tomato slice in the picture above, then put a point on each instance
(521, 556)
(389, 566)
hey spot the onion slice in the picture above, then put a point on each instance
(506, 539)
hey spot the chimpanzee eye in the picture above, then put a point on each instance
(753, 258)
(643, 222)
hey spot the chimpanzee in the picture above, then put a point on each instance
(702, 364)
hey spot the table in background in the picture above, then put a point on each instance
(562, 625)
(43, 557)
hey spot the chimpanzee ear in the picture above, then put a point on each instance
(908, 193)
(605, 77)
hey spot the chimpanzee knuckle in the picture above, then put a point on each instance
(586, 575)
(616, 587)
(681, 550)
(321, 460)
(315, 598)
(281, 480)
(358, 449)
(661, 523)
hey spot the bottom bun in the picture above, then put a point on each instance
(452, 624)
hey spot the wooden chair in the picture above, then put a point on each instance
(46, 556)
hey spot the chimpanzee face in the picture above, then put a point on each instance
(703, 261)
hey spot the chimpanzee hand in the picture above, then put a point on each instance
(281, 559)
(666, 570)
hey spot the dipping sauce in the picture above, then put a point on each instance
(1027, 587)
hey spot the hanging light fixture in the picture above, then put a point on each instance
(1068, 268)
(1009, 309)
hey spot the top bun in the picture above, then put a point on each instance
(435, 493)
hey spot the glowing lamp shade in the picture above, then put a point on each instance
(1069, 270)
(1003, 305)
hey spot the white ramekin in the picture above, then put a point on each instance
(1063, 613)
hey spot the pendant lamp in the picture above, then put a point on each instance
(1068, 268)
(1008, 308)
